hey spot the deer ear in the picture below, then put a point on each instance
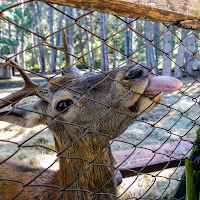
(29, 116)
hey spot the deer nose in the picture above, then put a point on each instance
(135, 72)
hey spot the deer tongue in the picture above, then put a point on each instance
(162, 84)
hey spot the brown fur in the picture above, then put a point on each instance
(97, 116)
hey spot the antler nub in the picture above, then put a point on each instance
(69, 59)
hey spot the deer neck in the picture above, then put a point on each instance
(82, 173)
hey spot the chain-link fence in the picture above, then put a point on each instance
(98, 112)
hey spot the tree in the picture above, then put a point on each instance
(196, 60)
(180, 56)
(126, 45)
(167, 48)
(130, 40)
(70, 12)
(32, 51)
(115, 28)
(104, 48)
(189, 58)
(140, 42)
(23, 64)
(94, 29)
(79, 37)
(157, 42)
(59, 34)
(150, 56)
(61, 53)
(39, 31)
(50, 21)
(87, 42)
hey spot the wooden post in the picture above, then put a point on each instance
(5, 71)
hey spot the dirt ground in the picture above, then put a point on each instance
(176, 117)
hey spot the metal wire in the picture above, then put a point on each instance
(87, 131)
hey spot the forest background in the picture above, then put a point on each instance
(168, 49)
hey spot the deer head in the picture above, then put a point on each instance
(104, 103)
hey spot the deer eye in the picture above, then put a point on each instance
(64, 104)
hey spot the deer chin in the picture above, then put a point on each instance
(146, 103)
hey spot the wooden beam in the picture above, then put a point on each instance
(151, 158)
(184, 13)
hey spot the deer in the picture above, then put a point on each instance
(84, 113)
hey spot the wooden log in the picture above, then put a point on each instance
(184, 13)
(148, 159)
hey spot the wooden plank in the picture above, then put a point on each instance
(151, 158)
(184, 13)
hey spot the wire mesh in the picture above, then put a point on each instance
(92, 125)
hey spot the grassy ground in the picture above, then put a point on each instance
(174, 114)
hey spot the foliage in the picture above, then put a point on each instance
(36, 67)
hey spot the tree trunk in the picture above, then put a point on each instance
(58, 41)
(167, 48)
(180, 56)
(130, 41)
(102, 42)
(81, 46)
(16, 50)
(92, 37)
(150, 58)
(189, 59)
(42, 58)
(174, 28)
(39, 32)
(50, 21)
(41, 55)
(156, 30)
(47, 56)
(23, 64)
(196, 60)
(36, 50)
(61, 55)
(137, 26)
(105, 36)
(32, 52)
(70, 12)
(126, 47)
(114, 55)
(87, 43)
(32, 58)
(11, 51)
(104, 49)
